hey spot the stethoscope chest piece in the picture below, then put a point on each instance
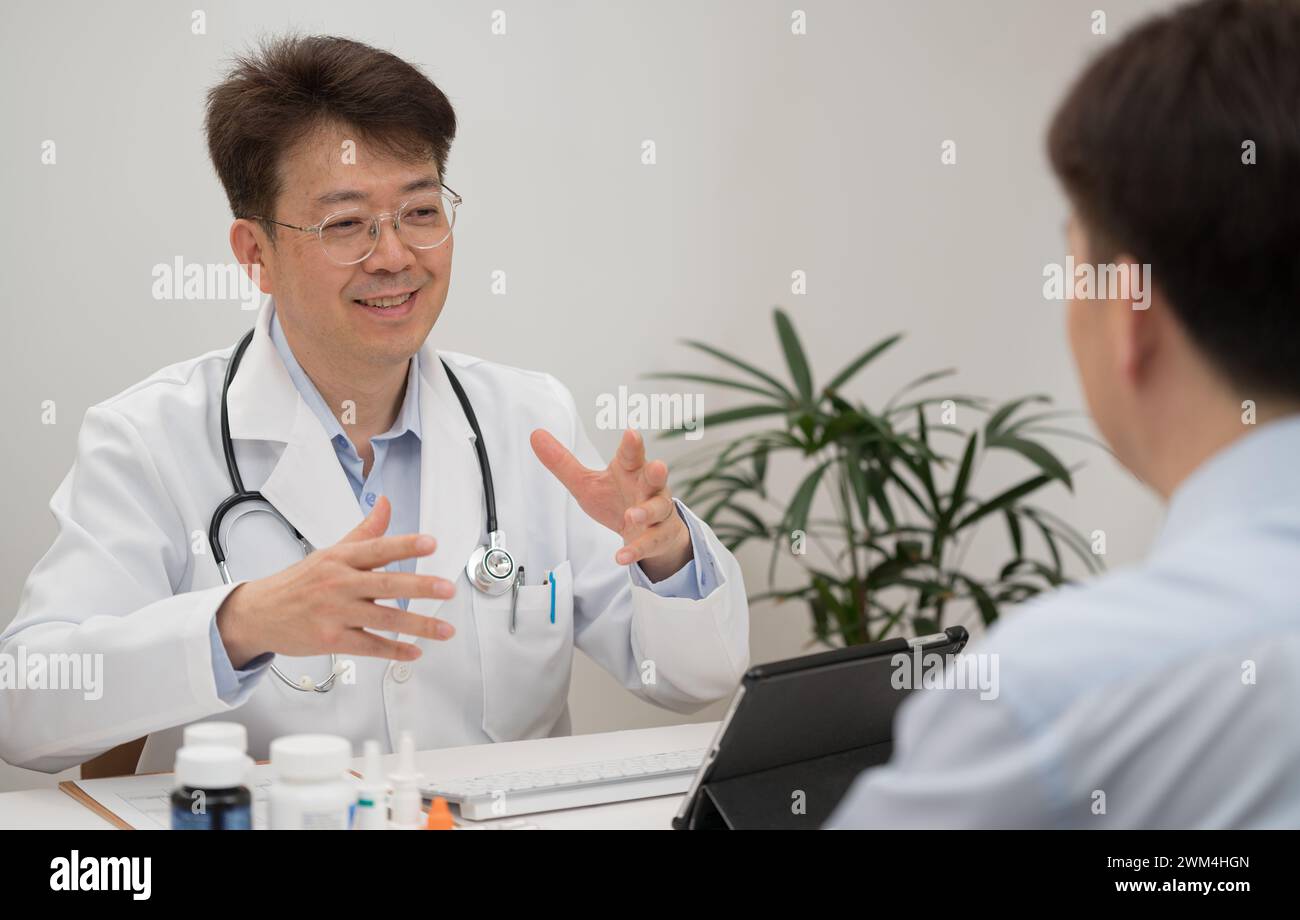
(491, 568)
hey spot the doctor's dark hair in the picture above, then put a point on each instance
(1150, 145)
(273, 97)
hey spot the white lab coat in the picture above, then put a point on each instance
(130, 574)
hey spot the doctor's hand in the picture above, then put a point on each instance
(630, 497)
(325, 603)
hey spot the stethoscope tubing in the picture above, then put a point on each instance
(240, 495)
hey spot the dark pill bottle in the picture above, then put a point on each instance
(210, 794)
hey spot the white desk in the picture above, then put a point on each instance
(52, 808)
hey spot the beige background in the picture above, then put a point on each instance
(775, 153)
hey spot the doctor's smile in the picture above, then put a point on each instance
(389, 306)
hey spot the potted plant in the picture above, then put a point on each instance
(904, 511)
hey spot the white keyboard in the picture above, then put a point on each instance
(571, 786)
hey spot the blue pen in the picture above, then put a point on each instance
(550, 576)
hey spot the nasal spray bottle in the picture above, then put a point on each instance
(406, 787)
(372, 799)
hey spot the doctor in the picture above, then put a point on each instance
(346, 419)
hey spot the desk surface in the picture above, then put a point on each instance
(52, 808)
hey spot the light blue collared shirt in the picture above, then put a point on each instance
(1163, 695)
(395, 472)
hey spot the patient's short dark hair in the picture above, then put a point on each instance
(1149, 144)
(274, 96)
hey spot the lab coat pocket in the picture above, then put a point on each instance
(526, 673)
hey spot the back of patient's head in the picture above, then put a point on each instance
(1179, 146)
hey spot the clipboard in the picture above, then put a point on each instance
(71, 788)
(142, 801)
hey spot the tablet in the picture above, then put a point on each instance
(799, 731)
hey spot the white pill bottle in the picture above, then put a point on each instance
(311, 791)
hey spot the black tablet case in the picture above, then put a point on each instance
(805, 725)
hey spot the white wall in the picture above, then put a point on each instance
(775, 152)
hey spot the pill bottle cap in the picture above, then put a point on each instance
(222, 734)
(310, 757)
(211, 767)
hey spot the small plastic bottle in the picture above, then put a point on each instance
(372, 797)
(406, 811)
(310, 791)
(210, 794)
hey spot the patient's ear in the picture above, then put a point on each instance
(1136, 319)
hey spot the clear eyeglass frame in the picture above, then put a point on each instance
(376, 225)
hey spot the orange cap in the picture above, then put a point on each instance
(440, 818)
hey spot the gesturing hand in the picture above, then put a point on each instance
(630, 497)
(326, 603)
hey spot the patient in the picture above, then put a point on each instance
(1163, 695)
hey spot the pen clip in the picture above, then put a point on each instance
(514, 597)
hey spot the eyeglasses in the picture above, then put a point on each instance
(352, 235)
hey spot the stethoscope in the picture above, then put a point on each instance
(491, 568)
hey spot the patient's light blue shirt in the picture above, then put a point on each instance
(1163, 695)
(395, 472)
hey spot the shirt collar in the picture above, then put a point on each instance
(1251, 474)
(408, 417)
